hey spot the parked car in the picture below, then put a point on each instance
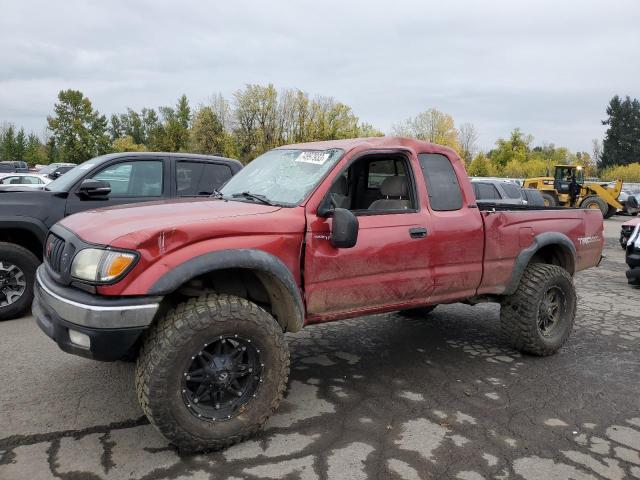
(532, 197)
(497, 192)
(32, 180)
(27, 213)
(20, 166)
(48, 169)
(633, 257)
(202, 292)
(59, 171)
(7, 167)
(626, 230)
(630, 201)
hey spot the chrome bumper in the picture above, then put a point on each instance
(94, 312)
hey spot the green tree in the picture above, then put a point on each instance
(516, 148)
(7, 143)
(35, 152)
(115, 127)
(368, 130)
(481, 166)
(207, 134)
(174, 134)
(78, 132)
(621, 144)
(467, 138)
(153, 130)
(183, 112)
(20, 145)
(432, 126)
(126, 144)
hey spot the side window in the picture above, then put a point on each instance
(375, 184)
(511, 190)
(200, 178)
(486, 191)
(133, 179)
(442, 183)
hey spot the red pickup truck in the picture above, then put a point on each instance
(202, 291)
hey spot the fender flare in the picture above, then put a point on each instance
(32, 225)
(272, 272)
(540, 241)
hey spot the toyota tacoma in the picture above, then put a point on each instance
(202, 292)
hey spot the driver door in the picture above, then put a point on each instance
(389, 263)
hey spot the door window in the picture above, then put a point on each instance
(380, 170)
(133, 179)
(200, 178)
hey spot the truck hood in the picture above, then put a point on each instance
(131, 225)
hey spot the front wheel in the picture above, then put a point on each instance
(17, 276)
(539, 316)
(212, 371)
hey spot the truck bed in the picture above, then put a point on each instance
(510, 230)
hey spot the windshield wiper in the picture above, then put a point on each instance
(254, 196)
(217, 194)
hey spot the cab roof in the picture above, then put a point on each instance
(371, 143)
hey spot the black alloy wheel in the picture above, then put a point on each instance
(222, 378)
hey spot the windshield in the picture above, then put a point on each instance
(283, 177)
(66, 181)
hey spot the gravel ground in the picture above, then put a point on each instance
(374, 397)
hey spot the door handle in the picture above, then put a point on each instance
(418, 232)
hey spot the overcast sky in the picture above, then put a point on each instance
(548, 67)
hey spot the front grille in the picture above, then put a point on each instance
(53, 251)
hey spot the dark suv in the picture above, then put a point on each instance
(27, 213)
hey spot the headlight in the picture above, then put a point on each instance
(101, 266)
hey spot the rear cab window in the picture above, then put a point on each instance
(443, 187)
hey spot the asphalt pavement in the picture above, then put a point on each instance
(380, 397)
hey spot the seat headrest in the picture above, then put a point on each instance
(395, 186)
(340, 186)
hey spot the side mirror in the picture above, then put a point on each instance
(94, 188)
(344, 233)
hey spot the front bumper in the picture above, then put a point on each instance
(112, 325)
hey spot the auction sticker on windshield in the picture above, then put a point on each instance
(317, 157)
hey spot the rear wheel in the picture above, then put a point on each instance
(212, 371)
(549, 200)
(592, 202)
(17, 275)
(539, 316)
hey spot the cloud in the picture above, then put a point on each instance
(547, 67)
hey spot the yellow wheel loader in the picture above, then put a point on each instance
(567, 188)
